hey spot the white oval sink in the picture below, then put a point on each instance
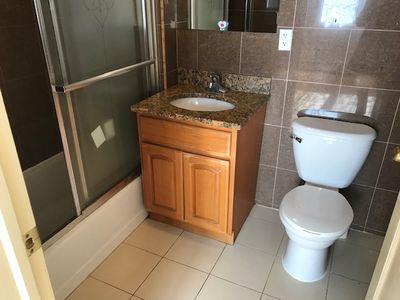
(202, 104)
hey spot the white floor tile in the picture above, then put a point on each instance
(196, 251)
(92, 289)
(262, 235)
(363, 239)
(219, 289)
(341, 288)
(244, 266)
(154, 236)
(265, 213)
(354, 262)
(266, 297)
(126, 268)
(171, 280)
(281, 285)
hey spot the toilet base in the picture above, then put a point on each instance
(305, 264)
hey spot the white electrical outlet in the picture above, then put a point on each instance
(285, 39)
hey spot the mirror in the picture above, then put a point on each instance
(241, 15)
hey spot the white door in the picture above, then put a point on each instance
(22, 275)
(385, 283)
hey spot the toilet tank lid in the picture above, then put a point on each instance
(334, 128)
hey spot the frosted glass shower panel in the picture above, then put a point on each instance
(97, 36)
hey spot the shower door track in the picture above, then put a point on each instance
(152, 74)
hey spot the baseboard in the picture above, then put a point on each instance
(98, 257)
(71, 259)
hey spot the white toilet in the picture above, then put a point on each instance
(328, 155)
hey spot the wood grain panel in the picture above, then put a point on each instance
(248, 151)
(162, 180)
(195, 139)
(206, 182)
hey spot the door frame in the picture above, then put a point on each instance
(27, 272)
(387, 268)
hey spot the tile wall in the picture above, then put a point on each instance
(25, 85)
(348, 63)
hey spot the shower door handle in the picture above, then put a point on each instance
(86, 82)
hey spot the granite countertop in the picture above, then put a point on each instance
(246, 105)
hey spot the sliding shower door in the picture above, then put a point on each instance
(101, 57)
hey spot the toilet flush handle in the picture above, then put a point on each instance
(298, 139)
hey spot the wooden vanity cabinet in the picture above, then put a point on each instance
(206, 192)
(162, 180)
(198, 177)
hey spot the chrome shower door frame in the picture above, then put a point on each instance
(55, 60)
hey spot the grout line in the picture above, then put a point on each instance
(344, 63)
(209, 273)
(197, 49)
(268, 207)
(368, 232)
(381, 166)
(273, 125)
(243, 286)
(201, 288)
(280, 131)
(331, 250)
(185, 265)
(373, 187)
(274, 261)
(344, 85)
(277, 79)
(283, 105)
(352, 279)
(277, 168)
(347, 28)
(293, 171)
(107, 283)
(375, 29)
(387, 190)
(240, 52)
(176, 48)
(267, 165)
(394, 120)
(212, 269)
(148, 275)
(143, 249)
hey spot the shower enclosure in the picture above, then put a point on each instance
(101, 57)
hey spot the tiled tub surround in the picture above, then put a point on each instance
(25, 85)
(352, 67)
(159, 261)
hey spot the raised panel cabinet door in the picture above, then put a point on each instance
(206, 189)
(162, 180)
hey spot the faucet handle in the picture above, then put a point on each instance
(215, 77)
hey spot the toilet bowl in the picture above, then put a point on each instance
(328, 155)
(314, 218)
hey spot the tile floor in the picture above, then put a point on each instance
(158, 261)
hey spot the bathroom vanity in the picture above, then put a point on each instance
(199, 169)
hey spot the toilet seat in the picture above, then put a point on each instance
(316, 211)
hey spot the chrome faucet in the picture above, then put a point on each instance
(215, 84)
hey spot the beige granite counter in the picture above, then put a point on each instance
(246, 105)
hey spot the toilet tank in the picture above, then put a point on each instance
(330, 152)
